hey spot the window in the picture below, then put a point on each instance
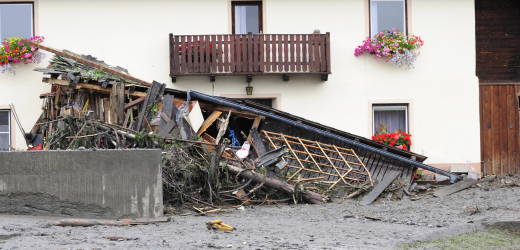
(393, 116)
(387, 14)
(16, 20)
(5, 133)
(246, 17)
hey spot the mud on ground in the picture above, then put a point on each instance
(337, 225)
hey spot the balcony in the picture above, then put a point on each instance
(249, 55)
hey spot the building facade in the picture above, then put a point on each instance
(437, 102)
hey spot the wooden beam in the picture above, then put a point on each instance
(134, 103)
(208, 122)
(235, 111)
(98, 88)
(89, 63)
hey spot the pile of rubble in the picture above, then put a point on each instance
(217, 152)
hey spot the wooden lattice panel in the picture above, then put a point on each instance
(335, 164)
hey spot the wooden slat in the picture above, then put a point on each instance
(226, 49)
(292, 64)
(255, 53)
(304, 53)
(238, 53)
(517, 131)
(172, 58)
(286, 53)
(487, 123)
(261, 59)
(310, 51)
(280, 53)
(220, 56)
(512, 109)
(495, 117)
(504, 127)
(316, 53)
(298, 54)
(249, 52)
(245, 61)
(190, 54)
(323, 60)
(184, 68)
(176, 55)
(197, 48)
(232, 52)
(207, 52)
(481, 121)
(327, 52)
(214, 46)
(268, 53)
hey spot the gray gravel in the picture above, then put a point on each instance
(337, 225)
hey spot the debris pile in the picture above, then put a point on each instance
(217, 152)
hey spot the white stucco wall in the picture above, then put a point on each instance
(442, 90)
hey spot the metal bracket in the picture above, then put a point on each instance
(249, 78)
(413, 158)
(324, 77)
(285, 77)
(212, 78)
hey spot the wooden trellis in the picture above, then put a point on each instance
(335, 163)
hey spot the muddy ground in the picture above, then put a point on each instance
(337, 225)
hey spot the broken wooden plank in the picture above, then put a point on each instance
(97, 88)
(120, 102)
(114, 107)
(165, 129)
(166, 110)
(134, 103)
(212, 118)
(257, 141)
(387, 180)
(224, 109)
(459, 186)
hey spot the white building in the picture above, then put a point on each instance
(438, 101)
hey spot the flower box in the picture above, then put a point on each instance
(15, 50)
(393, 46)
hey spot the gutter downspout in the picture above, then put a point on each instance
(219, 101)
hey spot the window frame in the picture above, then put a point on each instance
(388, 106)
(247, 3)
(370, 15)
(33, 9)
(9, 132)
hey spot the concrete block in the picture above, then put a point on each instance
(459, 169)
(102, 184)
(473, 175)
(439, 177)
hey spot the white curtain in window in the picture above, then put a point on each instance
(394, 118)
(240, 20)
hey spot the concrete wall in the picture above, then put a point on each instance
(107, 184)
(442, 91)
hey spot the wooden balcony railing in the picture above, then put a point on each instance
(249, 55)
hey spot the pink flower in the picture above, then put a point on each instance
(27, 55)
(400, 147)
(32, 48)
(393, 28)
(379, 59)
(24, 48)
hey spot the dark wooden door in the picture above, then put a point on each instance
(499, 129)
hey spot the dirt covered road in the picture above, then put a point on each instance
(337, 225)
